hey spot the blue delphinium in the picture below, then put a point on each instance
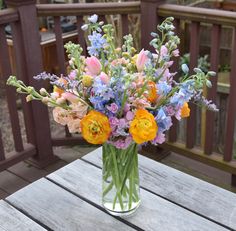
(163, 88)
(97, 43)
(164, 122)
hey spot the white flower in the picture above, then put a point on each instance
(93, 18)
(84, 27)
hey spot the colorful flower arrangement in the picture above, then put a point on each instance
(117, 95)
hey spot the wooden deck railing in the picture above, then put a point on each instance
(29, 63)
(21, 151)
(26, 46)
(206, 154)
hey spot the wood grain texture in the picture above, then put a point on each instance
(10, 183)
(155, 213)
(190, 192)
(12, 219)
(59, 210)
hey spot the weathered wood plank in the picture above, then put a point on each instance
(27, 171)
(12, 219)
(3, 194)
(59, 210)
(10, 183)
(190, 192)
(155, 213)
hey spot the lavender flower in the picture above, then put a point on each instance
(45, 76)
(200, 99)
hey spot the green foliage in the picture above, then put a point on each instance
(1, 4)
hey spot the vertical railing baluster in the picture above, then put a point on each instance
(102, 18)
(10, 92)
(125, 24)
(149, 21)
(2, 153)
(194, 51)
(175, 68)
(60, 53)
(212, 92)
(231, 110)
(22, 75)
(33, 57)
(59, 45)
(81, 39)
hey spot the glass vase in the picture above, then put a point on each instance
(120, 188)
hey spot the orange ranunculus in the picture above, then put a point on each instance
(95, 127)
(185, 110)
(152, 92)
(58, 89)
(143, 128)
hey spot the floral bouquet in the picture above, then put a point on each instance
(120, 98)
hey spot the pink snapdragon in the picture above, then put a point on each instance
(164, 51)
(93, 65)
(141, 61)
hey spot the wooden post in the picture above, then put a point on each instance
(149, 21)
(33, 58)
(231, 110)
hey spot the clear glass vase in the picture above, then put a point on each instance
(120, 194)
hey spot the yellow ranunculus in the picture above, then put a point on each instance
(185, 110)
(143, 128)
(95, 127)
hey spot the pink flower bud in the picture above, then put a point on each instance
(70, 97)
(175, 53)
(104, 77)
(93, 65)
(141, 60)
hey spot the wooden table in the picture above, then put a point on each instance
(70, 199)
